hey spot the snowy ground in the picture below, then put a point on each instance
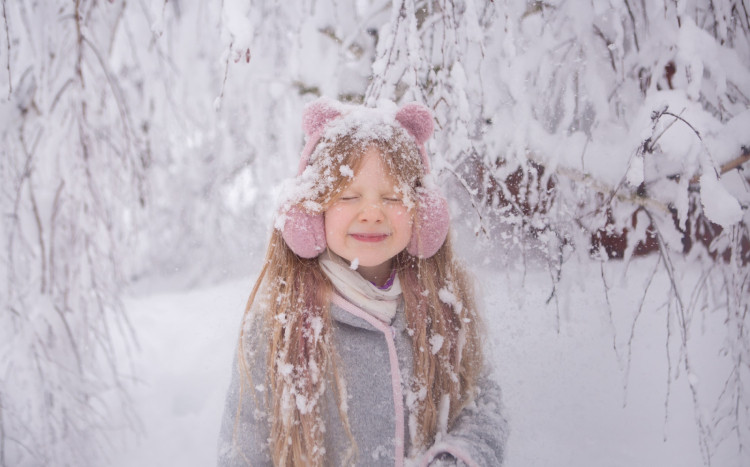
(564, 389)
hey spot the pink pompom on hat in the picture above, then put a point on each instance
(304, 232)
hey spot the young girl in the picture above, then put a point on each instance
(360, 342)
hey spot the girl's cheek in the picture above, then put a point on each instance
(398, 209)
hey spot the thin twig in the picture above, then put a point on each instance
(747, 16)
(645, 202)
(116, 92)
(79, 42)
(555, 278)
(53, 228)
(650, 144)
(471, 194)
(73, 345)
(40, 232)
(2, 433)
(728, 166)
(668, 340)
(704, 432)
(632, 19)
(672, 276)
(697, 133)
(7, 61)
(373, 91)
(609, 44)
(637, 316)
(60, 93)
(220, 98)
(610, 314)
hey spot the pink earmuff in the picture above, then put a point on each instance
(431, 224)
(304, 232)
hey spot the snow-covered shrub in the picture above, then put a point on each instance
(73, 180)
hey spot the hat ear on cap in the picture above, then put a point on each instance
(417, 120)
(317, 114)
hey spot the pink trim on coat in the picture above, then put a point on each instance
(398, 395)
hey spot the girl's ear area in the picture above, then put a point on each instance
(417, 120)
(317, 114)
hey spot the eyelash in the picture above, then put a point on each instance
(390, 200)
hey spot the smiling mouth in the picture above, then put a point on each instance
(369, 237)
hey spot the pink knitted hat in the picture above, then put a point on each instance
(304, 232)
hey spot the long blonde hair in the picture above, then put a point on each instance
(292, 297)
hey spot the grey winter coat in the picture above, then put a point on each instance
(376, 362)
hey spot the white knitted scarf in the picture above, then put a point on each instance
(380, 303)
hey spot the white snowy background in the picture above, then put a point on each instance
(143, 144)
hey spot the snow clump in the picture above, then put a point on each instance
(447, 297)
(436, 342)
(719, 206)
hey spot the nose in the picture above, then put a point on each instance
(371, 212)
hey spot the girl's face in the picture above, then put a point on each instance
(369, 222)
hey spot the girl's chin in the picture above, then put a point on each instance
(365, 262)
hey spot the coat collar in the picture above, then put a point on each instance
(343, 316)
